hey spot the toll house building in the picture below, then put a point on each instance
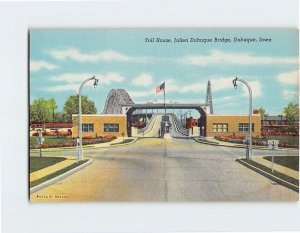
(214, 125)
(100, 125)
(218, 125)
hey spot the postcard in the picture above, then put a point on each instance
(163, 115)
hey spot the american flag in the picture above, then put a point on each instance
(160, 88)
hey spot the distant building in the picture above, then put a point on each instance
(274, 124)
(50, 125)
(191, 122)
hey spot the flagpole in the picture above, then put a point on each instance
(165, 97)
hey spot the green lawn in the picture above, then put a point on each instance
(57, 173)
(275, 173)
(291, 162)
(284, 138)
(37, 163)
(51, 140)
(125, 141)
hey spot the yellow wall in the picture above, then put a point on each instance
(99, 121)
(233, 124)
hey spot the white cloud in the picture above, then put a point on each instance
(111, 78)
(256, 88)
(137, 94)
(194, 87)
(171, 85)
(142, 80)
(74, 80)
(71, 77)
(67, 87)
(80, 77)
(218, 84)
(79, 56)
(290, 95)
(219, 57)
(224, 100)
(289, 77)
(38, 65)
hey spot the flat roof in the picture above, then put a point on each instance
(99, 115)
(231, 115)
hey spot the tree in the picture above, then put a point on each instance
(292, 115)
(51, 105)
(262, 113)
(43, 110)
(72, 106)
(60, 117)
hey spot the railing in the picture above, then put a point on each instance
(179, 129)
(151, 122)
(144, 131)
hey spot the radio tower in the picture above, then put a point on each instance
(209, 98)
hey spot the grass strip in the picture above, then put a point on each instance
(275, 173)
(51, 140)
(57, 173)
(206, 141)
(291, 162)
(284, 138)
(38, 163)
(123, 142)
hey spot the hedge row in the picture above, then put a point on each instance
(89, 141)
(255, 141)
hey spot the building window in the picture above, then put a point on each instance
(88, 128)
(244, 127)
(111, 128)
(220, 127)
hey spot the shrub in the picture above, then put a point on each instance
(88, 140)
(259, 141)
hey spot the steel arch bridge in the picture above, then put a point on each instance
(115, 100)
(118, 101)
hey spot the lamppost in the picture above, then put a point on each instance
(79, 115)
(249, 148)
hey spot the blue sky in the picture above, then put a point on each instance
(61, 59)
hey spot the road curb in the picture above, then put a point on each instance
(58, 149)
(243, 146)
(60, 177)
(270, 176)
(218, 144)
(122, 144)
(209, 143)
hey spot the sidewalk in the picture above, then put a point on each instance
(281, 175)
(69, 161)
(90, 146)
(108, 144)
(277, 167)
(51, 169)
(213, 141)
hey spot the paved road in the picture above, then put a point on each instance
(166, 170)
(153, 127)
